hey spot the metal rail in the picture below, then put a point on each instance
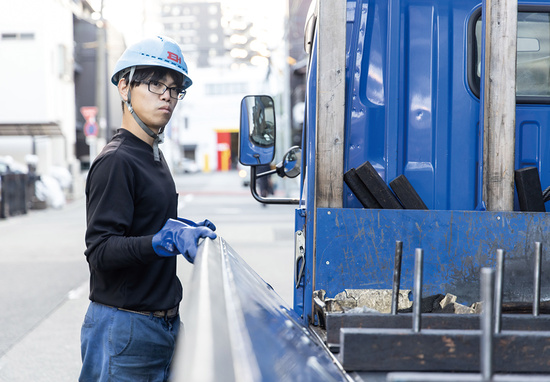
(238, 329)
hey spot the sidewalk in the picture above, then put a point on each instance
(51, 351)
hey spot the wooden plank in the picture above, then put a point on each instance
(331, 70)
(330, 115)
(360, 190)
(337, 321)
(441, 350)
(499, 103)
(378, 188)
(529, 190)
(406, 194)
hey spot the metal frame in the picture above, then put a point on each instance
(381, 343)
(254, 192)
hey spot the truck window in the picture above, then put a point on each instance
(533, 56)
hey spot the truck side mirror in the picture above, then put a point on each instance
(291, 163)
(257, 130)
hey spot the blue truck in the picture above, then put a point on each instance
(423, 167)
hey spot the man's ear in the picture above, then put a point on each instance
(123, 88)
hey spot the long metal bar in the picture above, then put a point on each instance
(487, 322)
(498, 290)
(417, 293)
(538, 264)
(223, 334)
(396, 276)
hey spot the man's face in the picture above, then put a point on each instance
(155, 110)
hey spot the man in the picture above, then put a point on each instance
(133, 234)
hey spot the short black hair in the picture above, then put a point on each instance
(155, 73)
(152, 73)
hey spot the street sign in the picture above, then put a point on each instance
(90, 129)
(88, 112)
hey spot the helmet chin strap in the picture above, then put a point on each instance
(158, 138)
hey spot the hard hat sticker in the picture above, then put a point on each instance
(174, 57)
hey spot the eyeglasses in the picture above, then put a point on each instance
(160, 88)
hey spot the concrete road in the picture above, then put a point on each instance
(43, 273)
(263, 235)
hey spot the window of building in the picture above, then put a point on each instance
(18, 36)
(176, 11)
(533, 55)
(63, 64)
(213, 23)
(213, 9)
(226, 88)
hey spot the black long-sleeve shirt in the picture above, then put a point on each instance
(129, 198)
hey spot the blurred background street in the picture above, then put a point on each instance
(44, 274)
(65, 51)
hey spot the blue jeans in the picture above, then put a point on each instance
(121, 346)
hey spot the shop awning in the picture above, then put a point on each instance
(30, 129)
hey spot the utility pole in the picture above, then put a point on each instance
(102, 83)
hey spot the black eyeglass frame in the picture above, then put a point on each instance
(180, 93)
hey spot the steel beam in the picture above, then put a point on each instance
(337, 321)
(441, 350)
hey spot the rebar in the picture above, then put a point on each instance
(417, 305)
(396, 276)
(538, 264)
(498, 290)
(487, 322)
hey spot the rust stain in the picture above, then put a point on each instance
(449, 343)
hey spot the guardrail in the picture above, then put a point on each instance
(238, 329)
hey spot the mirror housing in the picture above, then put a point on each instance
(291, 165)
(257, 145)
(257, 130)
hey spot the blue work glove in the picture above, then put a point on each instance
(206, 223)
(177, 237)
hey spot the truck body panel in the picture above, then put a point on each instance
(413, 109)
(356, 249)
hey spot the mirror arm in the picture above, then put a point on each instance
(265, 173)
(261, 199)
